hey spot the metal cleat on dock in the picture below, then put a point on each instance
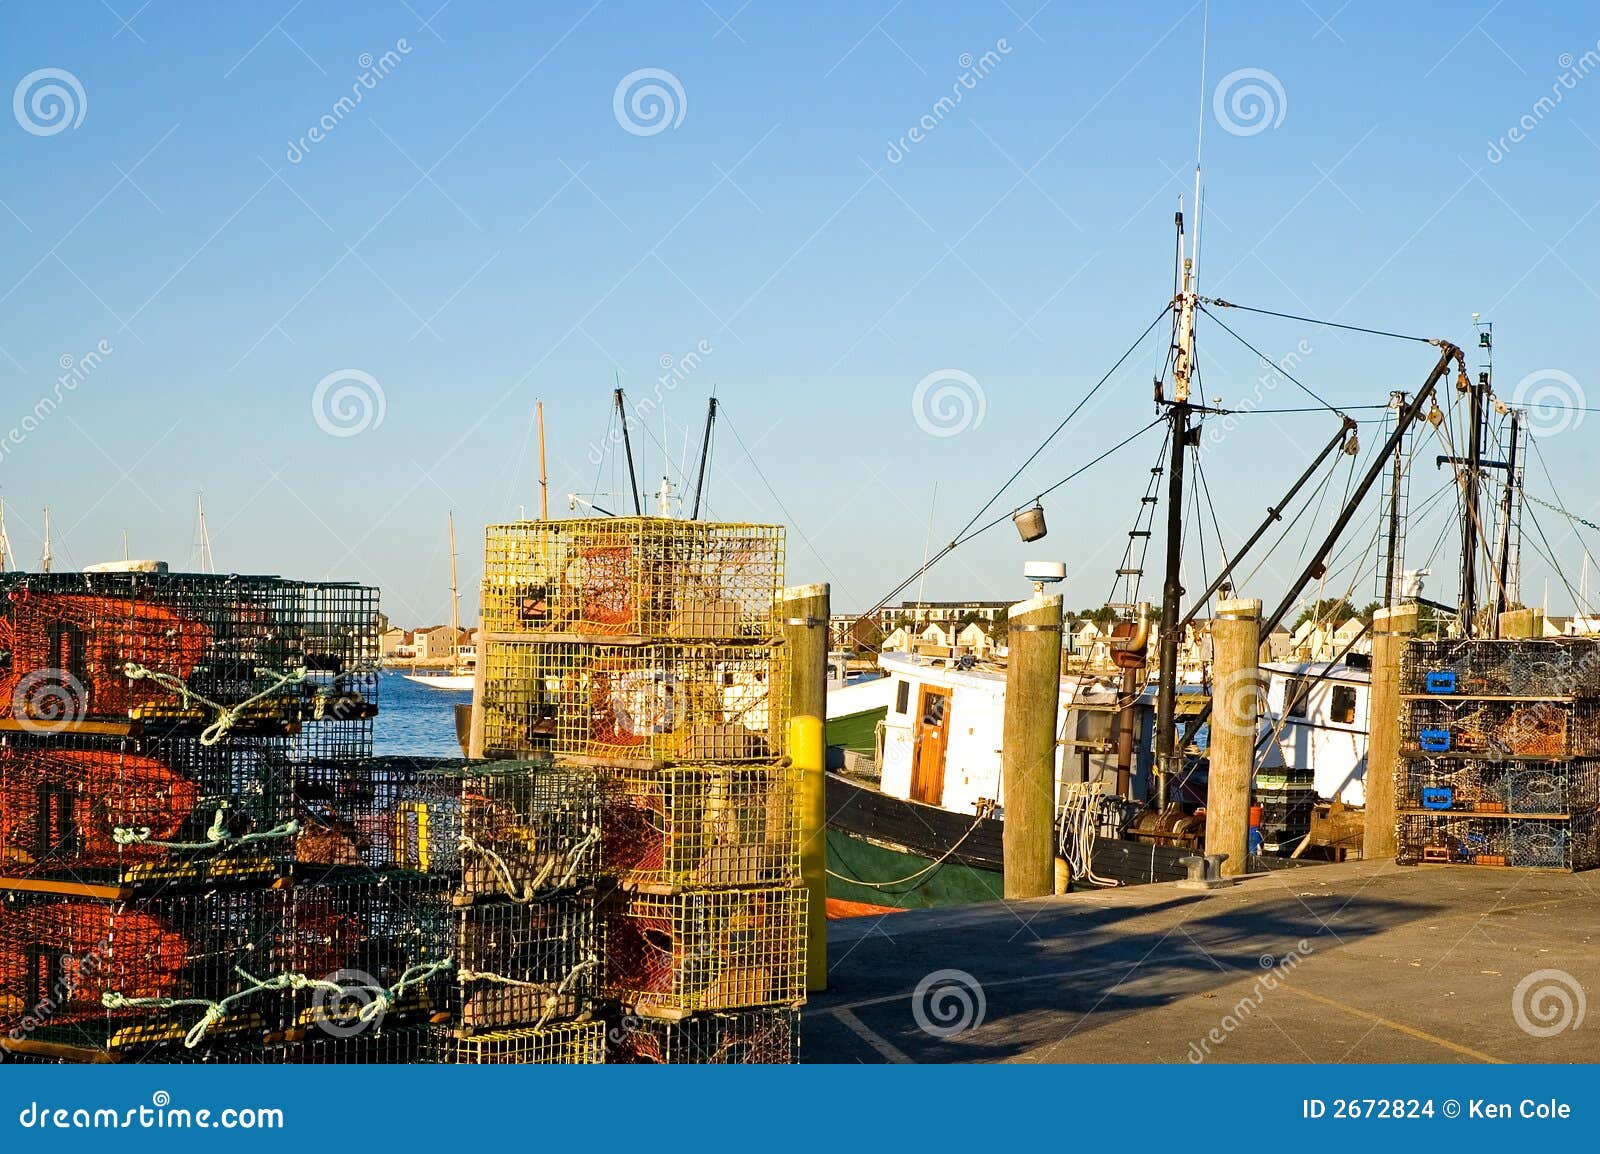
(1205, 872)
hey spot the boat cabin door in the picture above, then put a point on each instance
(933, 729)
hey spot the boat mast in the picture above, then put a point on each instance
(1178, 410)
(203, 561)
(455, 598)
(44, 561)
(544, 476)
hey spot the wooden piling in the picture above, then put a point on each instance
(1236, 702)
(803, 610)
(1033, 696)
(1392, 629)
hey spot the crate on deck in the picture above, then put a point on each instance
(633, 576)
(668, 956)
(640, 703)
(144, 812)
(701, 826)
(99, 977)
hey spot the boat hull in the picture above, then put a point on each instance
(453, 682)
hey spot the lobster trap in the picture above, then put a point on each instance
(1544, 668)
(216, 653)
(94, 977)
(1502, 730)
(642, 703)
(368, 950)
(565, 1044)
(1533, 843)
(526, 964)
(701, 826)
(765, 1037)
(642, 577)
(668, 956)
(1465, 786)
(144, 812)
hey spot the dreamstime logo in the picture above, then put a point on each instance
(1553, 400)
(649, 101)
(74, 372)
(1266, 384)
(343, 1001)
(373, 69)
(948, 1002)
(49, 700)
(1573, 69)
(948, 402)
(347, 402)
(1547, 1003)
(674, 371)
(1248, 101)
(1238, 700)
(49, 100)
(973, 69)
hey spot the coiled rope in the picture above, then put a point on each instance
(531, 888)
(227, 715)
(217, 835)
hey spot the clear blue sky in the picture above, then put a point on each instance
(482, 230)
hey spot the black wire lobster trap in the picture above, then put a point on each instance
(763, 1037)
(1526, 842)
(1541, 668)
(216, 654)
(1469, 786)
(524, 964)
(511, 829)
(144, 811)
(1501, 730)
(640, 703)
(90, 978)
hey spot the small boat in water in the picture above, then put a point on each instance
(460, 677)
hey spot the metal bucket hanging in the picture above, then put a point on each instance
(1030, 522)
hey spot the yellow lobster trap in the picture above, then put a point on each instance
(633, 577)
(635, 703)
(700, 826)
(669, 956)
(568, 1044)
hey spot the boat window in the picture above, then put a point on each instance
(1292, 689)
(933, 709)
(902, 697)
(1344, 705)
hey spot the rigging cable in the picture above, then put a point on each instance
(1276, 367)
(1222, 304)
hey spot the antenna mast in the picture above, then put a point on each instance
(544, 476)
(203, 559)
(44, 560)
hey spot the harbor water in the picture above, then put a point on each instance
(415, 720)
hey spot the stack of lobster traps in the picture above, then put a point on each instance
(1500, 753)
(650, 650)
(152, 727)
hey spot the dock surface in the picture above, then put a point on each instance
(1356, 962)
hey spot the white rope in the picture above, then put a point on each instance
(1078, 824)
(216, 835)
(227, 716)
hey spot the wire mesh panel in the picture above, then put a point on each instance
(688, 703)
(1565, 844)
(143, 811)
(1554, 667)
(633, 576)
(373, 949)
(524, 965)
(765, 1037)
(101, 975)
(701, 826)
(566, 1044)
(199, 649)
(671, 955)
(1517, 787)
(1502, 729)
(502, 829)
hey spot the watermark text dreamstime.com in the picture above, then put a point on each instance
(158, 1114)
(674, 372)
(1274, 971)
(1573, 70)
(973, 69)
(1266, 384)
(74, 372)
(373, 69)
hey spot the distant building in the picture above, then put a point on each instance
(946, 612)
(392, 641)
(436, 642)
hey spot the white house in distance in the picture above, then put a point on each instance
(436, 642)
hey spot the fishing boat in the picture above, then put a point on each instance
(460, 676)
